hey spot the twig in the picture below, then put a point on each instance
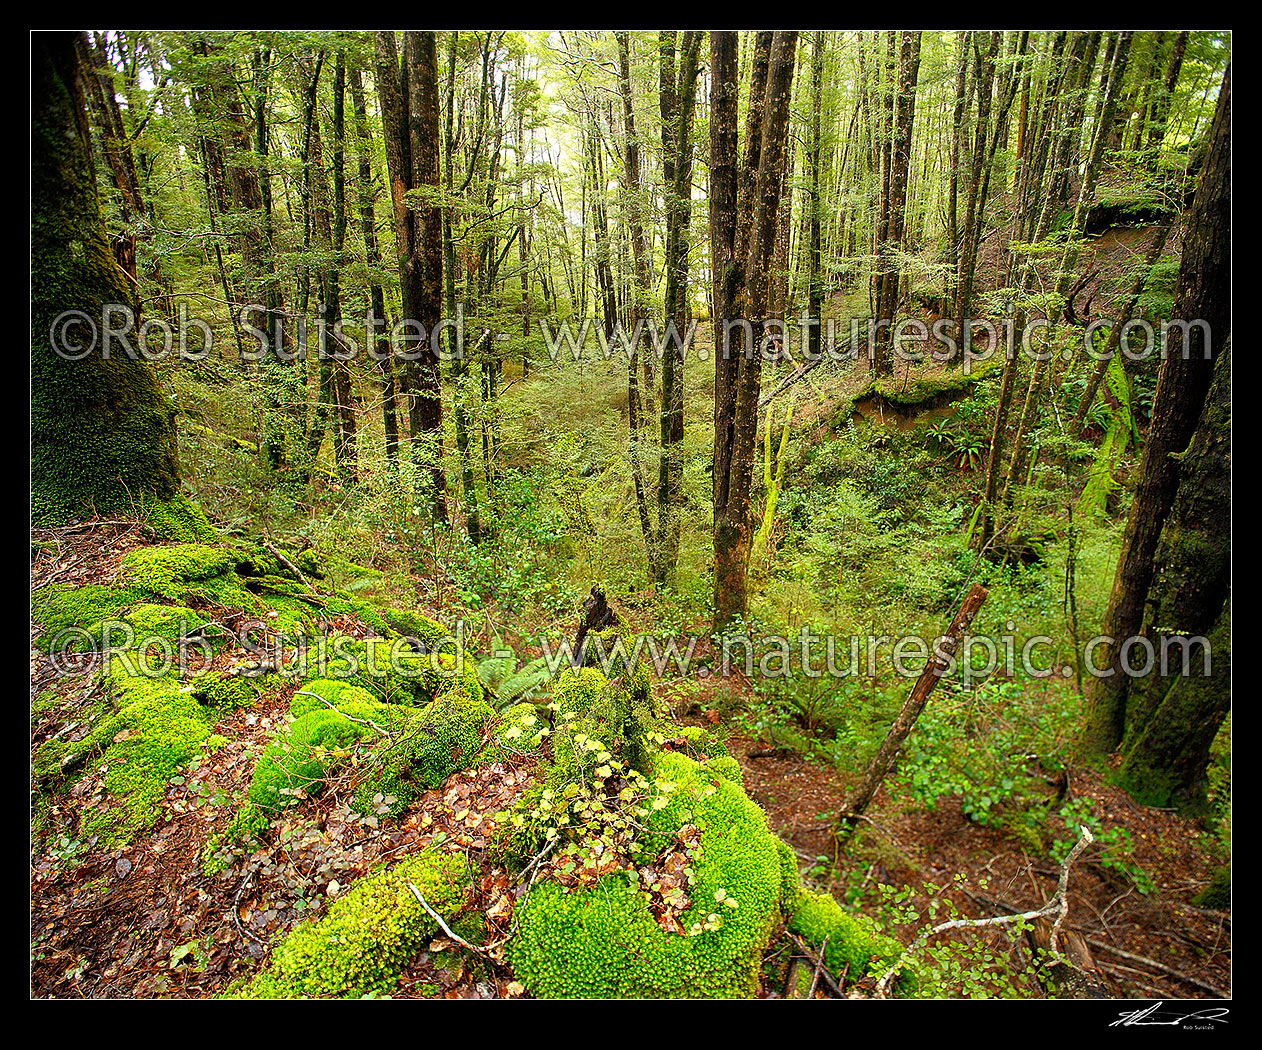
(789, 380)
(818, 960)
(236, 915)
(445, 928)
(819, 967)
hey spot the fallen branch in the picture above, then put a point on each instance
(789, 380)
(1058, 905)
(914, 704)
(331, 707)
(1160, 967)
(442, 925)
(290, 566)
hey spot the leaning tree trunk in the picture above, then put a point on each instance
(102, 435)
(1203, 294)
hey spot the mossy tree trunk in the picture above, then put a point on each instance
(1204, 294)
(408, 94)
(675, 307)
(381, 351)
(102, 435)
(1173, 714)
(888, 250)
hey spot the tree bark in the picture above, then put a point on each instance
(675, 309)
(1173, 714)
(732, 519)
(381, 350)
(102, 434)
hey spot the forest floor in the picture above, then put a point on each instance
(1144, 944)
(146, 919)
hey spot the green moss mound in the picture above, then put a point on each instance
(413, 625)
(393, 671)
(80, 609)
(851, 944)
(433, 743)
(299, 756)
(419, 748)
(610, 939)
(925, 391)
(368, 936)
(179, 519)
(153, 729)
(604, 942)
(181, 569)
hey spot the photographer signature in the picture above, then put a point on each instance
(1154, 1015)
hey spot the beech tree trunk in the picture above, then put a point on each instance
(102, 434)
(769, 109)
(1203, 293)
(904, 113)
(409, 104)
(381, 350)
(1174, 713)
(675, 307)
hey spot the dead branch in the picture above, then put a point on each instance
(937, 666)
(1058, 905)
(1160, 967)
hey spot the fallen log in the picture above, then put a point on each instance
(937, 666)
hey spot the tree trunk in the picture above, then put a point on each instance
(675, 309)
(939, 662)
(381, 350)
(896, 202)
(1172, 714)
(1204, 293)
(102, 434)
(769, 108)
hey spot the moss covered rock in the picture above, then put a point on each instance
(604, 941)
(151, 727)
(368, 937)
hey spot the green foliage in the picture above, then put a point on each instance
(510, 684)
(1120, 433)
